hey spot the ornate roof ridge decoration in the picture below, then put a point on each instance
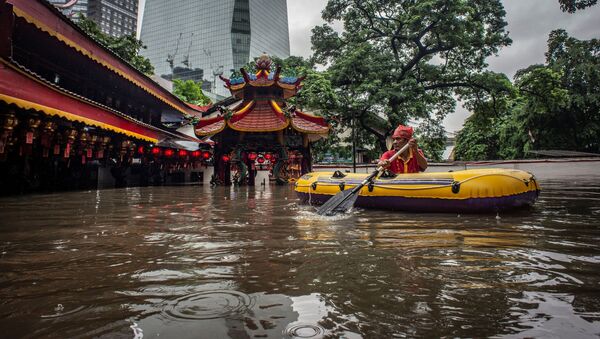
(263, 107)
(263, 78)
(31, 12)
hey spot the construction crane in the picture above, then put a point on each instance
(171, 57)
(186, 58)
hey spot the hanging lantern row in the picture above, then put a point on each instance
(169, 153)
(34, 135)
(261, 158)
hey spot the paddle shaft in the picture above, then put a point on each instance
(396, 155)
(372, 175)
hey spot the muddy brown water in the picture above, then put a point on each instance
(243, 262)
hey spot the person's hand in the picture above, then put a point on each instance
(384, 163)
(413, 144)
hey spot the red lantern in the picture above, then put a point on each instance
(206, 155)
(196, 154)
(225, 158)
(268, 156)
(169, 153)
(260, 160)
(156, 151)
(182, 153)
(140, 150)
(251, 156)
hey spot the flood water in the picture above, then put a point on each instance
(201, 262)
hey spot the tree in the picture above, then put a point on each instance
(127, 47)
(190, 91)
(476, 141)
(401, 61)
(573, 5)
(317, 94)
(550, 106)
(563, 97)
(491, 104)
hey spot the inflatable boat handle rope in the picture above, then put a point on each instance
(425, 188)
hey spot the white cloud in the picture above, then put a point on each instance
(303, 15)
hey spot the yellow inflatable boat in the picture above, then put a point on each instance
(468, 191)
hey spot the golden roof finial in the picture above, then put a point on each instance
(264, 62)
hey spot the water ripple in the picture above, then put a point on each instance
(59, 312)
(303, 331)
(208, 305)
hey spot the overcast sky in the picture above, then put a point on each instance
(529, 23)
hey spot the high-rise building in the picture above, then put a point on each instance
(201, 40)
(114, 17)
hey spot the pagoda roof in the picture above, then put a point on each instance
(199, 110)
(257, 116)
(261, 110)
(308, 123)
(210, 126)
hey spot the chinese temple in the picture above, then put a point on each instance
(262, 132)
(74, 115)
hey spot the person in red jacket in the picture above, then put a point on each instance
(411, 161)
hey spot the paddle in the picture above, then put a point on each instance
(344, 200)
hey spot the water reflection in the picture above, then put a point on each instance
(201, 262)
(229, 313)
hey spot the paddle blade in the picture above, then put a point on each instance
(347, 204)
(339, 203)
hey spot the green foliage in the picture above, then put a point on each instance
(317, 93)
(562, 98)
(478, 139)
(573, 5)
(190, 91)
(514, 138)
(127, 47)
(551, 106)
(473, 144)
(432, 139)
(545, 103)
(404, 61)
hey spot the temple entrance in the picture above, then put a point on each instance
(262, 133)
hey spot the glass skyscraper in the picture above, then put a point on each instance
(201, 39)
(114, 17)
